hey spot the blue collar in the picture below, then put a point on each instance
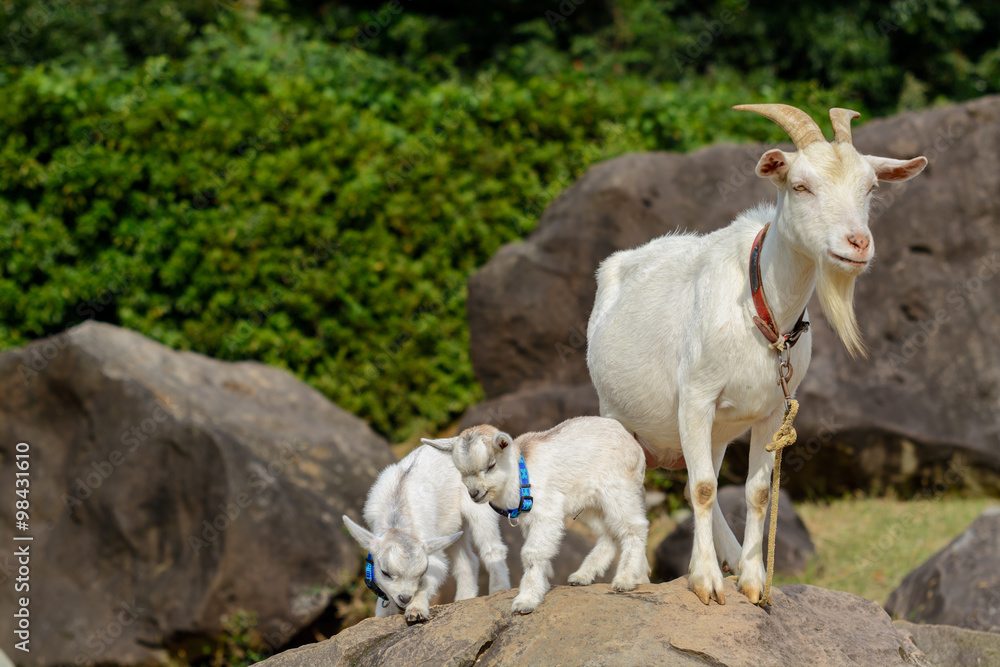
(370, 581)
(526, 499)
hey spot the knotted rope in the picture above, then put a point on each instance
(785, 436)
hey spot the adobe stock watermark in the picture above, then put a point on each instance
(710, 31)
(425, 147)
(106, 126)
(532, 208)
(101, 640)
(99, 471)
(258, 480)
(562, 13)
(957, 300)
(389, 353)
(953, 478)
(366, 32)
(40, 354)
(277, 123)
(271, 301)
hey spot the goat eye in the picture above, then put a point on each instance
(386, 574)
(492, 466)
(800, 188)
(872, 188)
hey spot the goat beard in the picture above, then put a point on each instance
(836, 295)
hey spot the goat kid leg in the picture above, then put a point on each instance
(599, 559)
(705, 577)
(419, 609)
(485, 530)
(752, 573)
(544, 533)
(625, 516)
(727, 547)
(465, 567)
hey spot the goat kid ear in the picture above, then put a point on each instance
(896, 171)
(774, 164)
(501, 440)
(439, 543)
(362, 536)
(444, 444)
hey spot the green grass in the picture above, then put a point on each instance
(866, 546)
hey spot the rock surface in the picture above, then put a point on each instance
(928, 397)
(661, 624)
(792, 550)
(948, 646)
(959, 585)
(168, 489)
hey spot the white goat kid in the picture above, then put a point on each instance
(673, 348)
(588, 467)
(414, 509)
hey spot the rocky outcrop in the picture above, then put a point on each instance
(923, 409)
(167, 490)
(793, 546)
(959, 585)
(657, 624)
(948, 646)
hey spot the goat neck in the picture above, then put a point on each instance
(788, 276)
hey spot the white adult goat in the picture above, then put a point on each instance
(675, 353)
(414, 509)
(588, 467)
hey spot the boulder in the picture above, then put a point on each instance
(657, 624)
(947, 646)
(916, 412)
(959, 585)
(167, 490)
(793, 546)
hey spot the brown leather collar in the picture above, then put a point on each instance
(763, 319)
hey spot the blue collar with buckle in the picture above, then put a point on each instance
(370, 581)
(526, 500)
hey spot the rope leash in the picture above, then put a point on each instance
(785, 436)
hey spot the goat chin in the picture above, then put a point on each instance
(836, 295)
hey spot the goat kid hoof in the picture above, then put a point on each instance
(523, 607)
(415, 616)
(579, 580)
(622, 585)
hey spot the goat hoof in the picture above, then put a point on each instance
(576, 579)
(708, 587)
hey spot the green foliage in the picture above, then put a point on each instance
(253, 187)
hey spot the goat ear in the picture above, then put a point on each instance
(363, 537)
(439, 543)
(774, 164)
(896, 171)
(501, 440)
(444, 444)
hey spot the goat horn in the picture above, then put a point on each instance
(841, 121)
(800, 127)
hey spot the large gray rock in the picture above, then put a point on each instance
(948, 646)
(657, 624)
(923, 409)
(168, 489)
(793, 546)
(959, 585)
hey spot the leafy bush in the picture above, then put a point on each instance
(275, 197)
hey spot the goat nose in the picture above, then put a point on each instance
(405, 599)
(859, 241)
(474, 494)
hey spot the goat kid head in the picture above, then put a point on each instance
(400, 559)
(481, 454)
(824, 193)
